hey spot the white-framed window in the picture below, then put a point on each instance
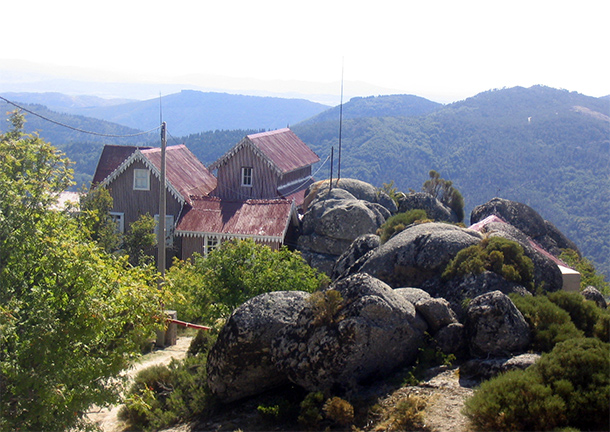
(246, 176)
(211, 243)
(169, 229)
(119, 220)
(141, 179)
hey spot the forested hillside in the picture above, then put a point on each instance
(544, 147)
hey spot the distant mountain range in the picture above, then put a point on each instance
(541, 146)
(186, 112)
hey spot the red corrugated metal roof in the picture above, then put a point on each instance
(258, 218)
(183, 170)
(284, 149)
(112, 156)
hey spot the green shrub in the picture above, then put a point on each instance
(515, 401)
(311, 407)
(548, 323)
(399, 222)
(578, 370)
(584, 314)
(164, 395)
(202, 342)
(568, 387)
(496, 254)
(326, 305)
(210, 288)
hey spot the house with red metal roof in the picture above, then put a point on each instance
(267, 165)
(260, 183)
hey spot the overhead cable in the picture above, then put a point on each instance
(75, 128)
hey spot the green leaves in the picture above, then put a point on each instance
(72, 316)
(235, 272)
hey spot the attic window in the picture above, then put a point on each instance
(141, 179)
(246, 176)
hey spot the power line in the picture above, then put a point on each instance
(75, 128)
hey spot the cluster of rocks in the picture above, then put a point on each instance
(392, 296)
(275, 338)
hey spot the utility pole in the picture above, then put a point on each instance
(161, 221)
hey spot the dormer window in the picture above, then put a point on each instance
(141, 179)
(246, 176)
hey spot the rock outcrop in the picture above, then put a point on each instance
(593, 294)
(526, 220)
(495, 327)
(335, 218)
(358, 249)
(417, 256)
(239, 363)
(483, 369)
(373, 332)
(433, 207)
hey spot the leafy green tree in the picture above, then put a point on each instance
(444, 191)
(71, 316)
(95, 207)
(140, 240)
(234, 272)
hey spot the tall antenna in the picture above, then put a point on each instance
(160, 110)
(340, 122)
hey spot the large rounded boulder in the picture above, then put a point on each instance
(239, 363)
(433, 207)
(417, 256)
(526, 220)
(372, 331)
(495, 327)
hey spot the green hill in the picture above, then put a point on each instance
(544, 147)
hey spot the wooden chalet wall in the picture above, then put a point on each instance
(134, 203)
(264, 178)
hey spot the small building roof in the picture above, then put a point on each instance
(185, 174)
(183, 170)
(282, 149)
(266, 220)
(112, 156)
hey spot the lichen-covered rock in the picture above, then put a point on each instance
(413, 294)
(436, 312)
(357, 188)
(239, 363)
(451, 340)
(495, 327)
(483, 369)
(519, 215)
(593, 294)
(419, 254)
(433, 207)
(359, 247)
(373, 332)
(460, 290)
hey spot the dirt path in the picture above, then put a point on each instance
(106, 418)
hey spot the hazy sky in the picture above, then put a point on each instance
(444, 50)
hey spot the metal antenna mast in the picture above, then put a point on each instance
(340, 123)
